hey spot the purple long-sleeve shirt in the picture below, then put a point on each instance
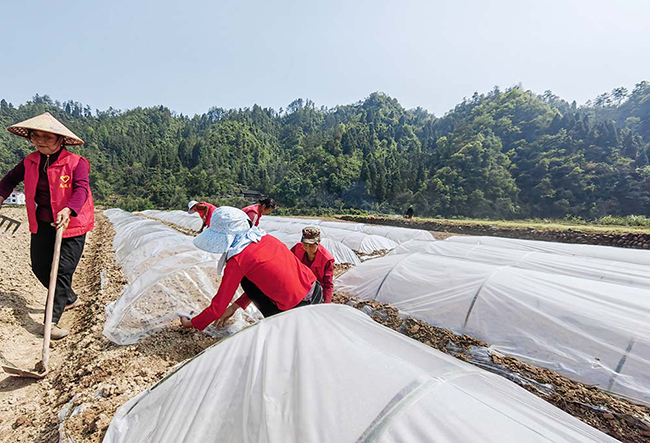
(80, 187)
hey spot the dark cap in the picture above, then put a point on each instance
(310, 235)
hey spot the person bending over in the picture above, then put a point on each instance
(204, 210)
(256, 211)
(271, 276)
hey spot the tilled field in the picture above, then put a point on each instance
(91, 377)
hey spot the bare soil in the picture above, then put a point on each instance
(90, 376)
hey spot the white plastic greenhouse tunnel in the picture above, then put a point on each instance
(635, 256)
(612, 271)
(166, 274)
(180, 218)
(396, 234)
(591, 331)
(288, 379)
(355, 239)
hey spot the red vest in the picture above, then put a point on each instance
(323, 256)
(210, 210)
(59, 175)
(254, 213)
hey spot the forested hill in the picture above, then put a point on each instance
(504, 154)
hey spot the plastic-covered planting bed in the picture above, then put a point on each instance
(398, 234)
(636, 256)
(144, 257)
(594, 332)
(180, 218)
(359, 241)
(289, 225)
(167, 275)
(611, 271)
(289, 379)
(395, 233)
(356, 240)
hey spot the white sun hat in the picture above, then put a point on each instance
(226, 224)
(46, 123)
(190, 205)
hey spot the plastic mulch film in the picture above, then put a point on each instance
(354, 239)
(180, 218)
(394, 233)
(611, 271)
(167, 275)
(591, 331)
(288, 379)
(341, 253)
(636, 256)
(397, 234)
(139, 260)
(359, 241)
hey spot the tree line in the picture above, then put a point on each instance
(502, 154)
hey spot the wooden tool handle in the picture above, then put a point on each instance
(49, 307)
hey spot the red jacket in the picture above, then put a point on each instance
(254, 213)
(59, 176)
(322, 267)
(271, 267)
(206, 217)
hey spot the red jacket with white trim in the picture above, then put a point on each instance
(271, 267)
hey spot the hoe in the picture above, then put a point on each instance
(41, 368)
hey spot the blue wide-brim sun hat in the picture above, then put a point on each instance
(225, 224)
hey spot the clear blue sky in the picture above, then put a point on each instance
(192, 55)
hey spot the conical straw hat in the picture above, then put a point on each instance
(45, 122)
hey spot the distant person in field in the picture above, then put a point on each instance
(270, 275)
(314, 255)
(204, 209)
(409, 212)
(256, 211)
(57, 194)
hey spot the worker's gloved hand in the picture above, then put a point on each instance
(226, 315)
(62, 218)
(186, 322)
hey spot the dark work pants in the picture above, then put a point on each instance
(267, 306)
(42, 252)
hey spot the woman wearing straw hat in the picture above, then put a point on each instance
(270, 275)
(314, 255)
(57, 194)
